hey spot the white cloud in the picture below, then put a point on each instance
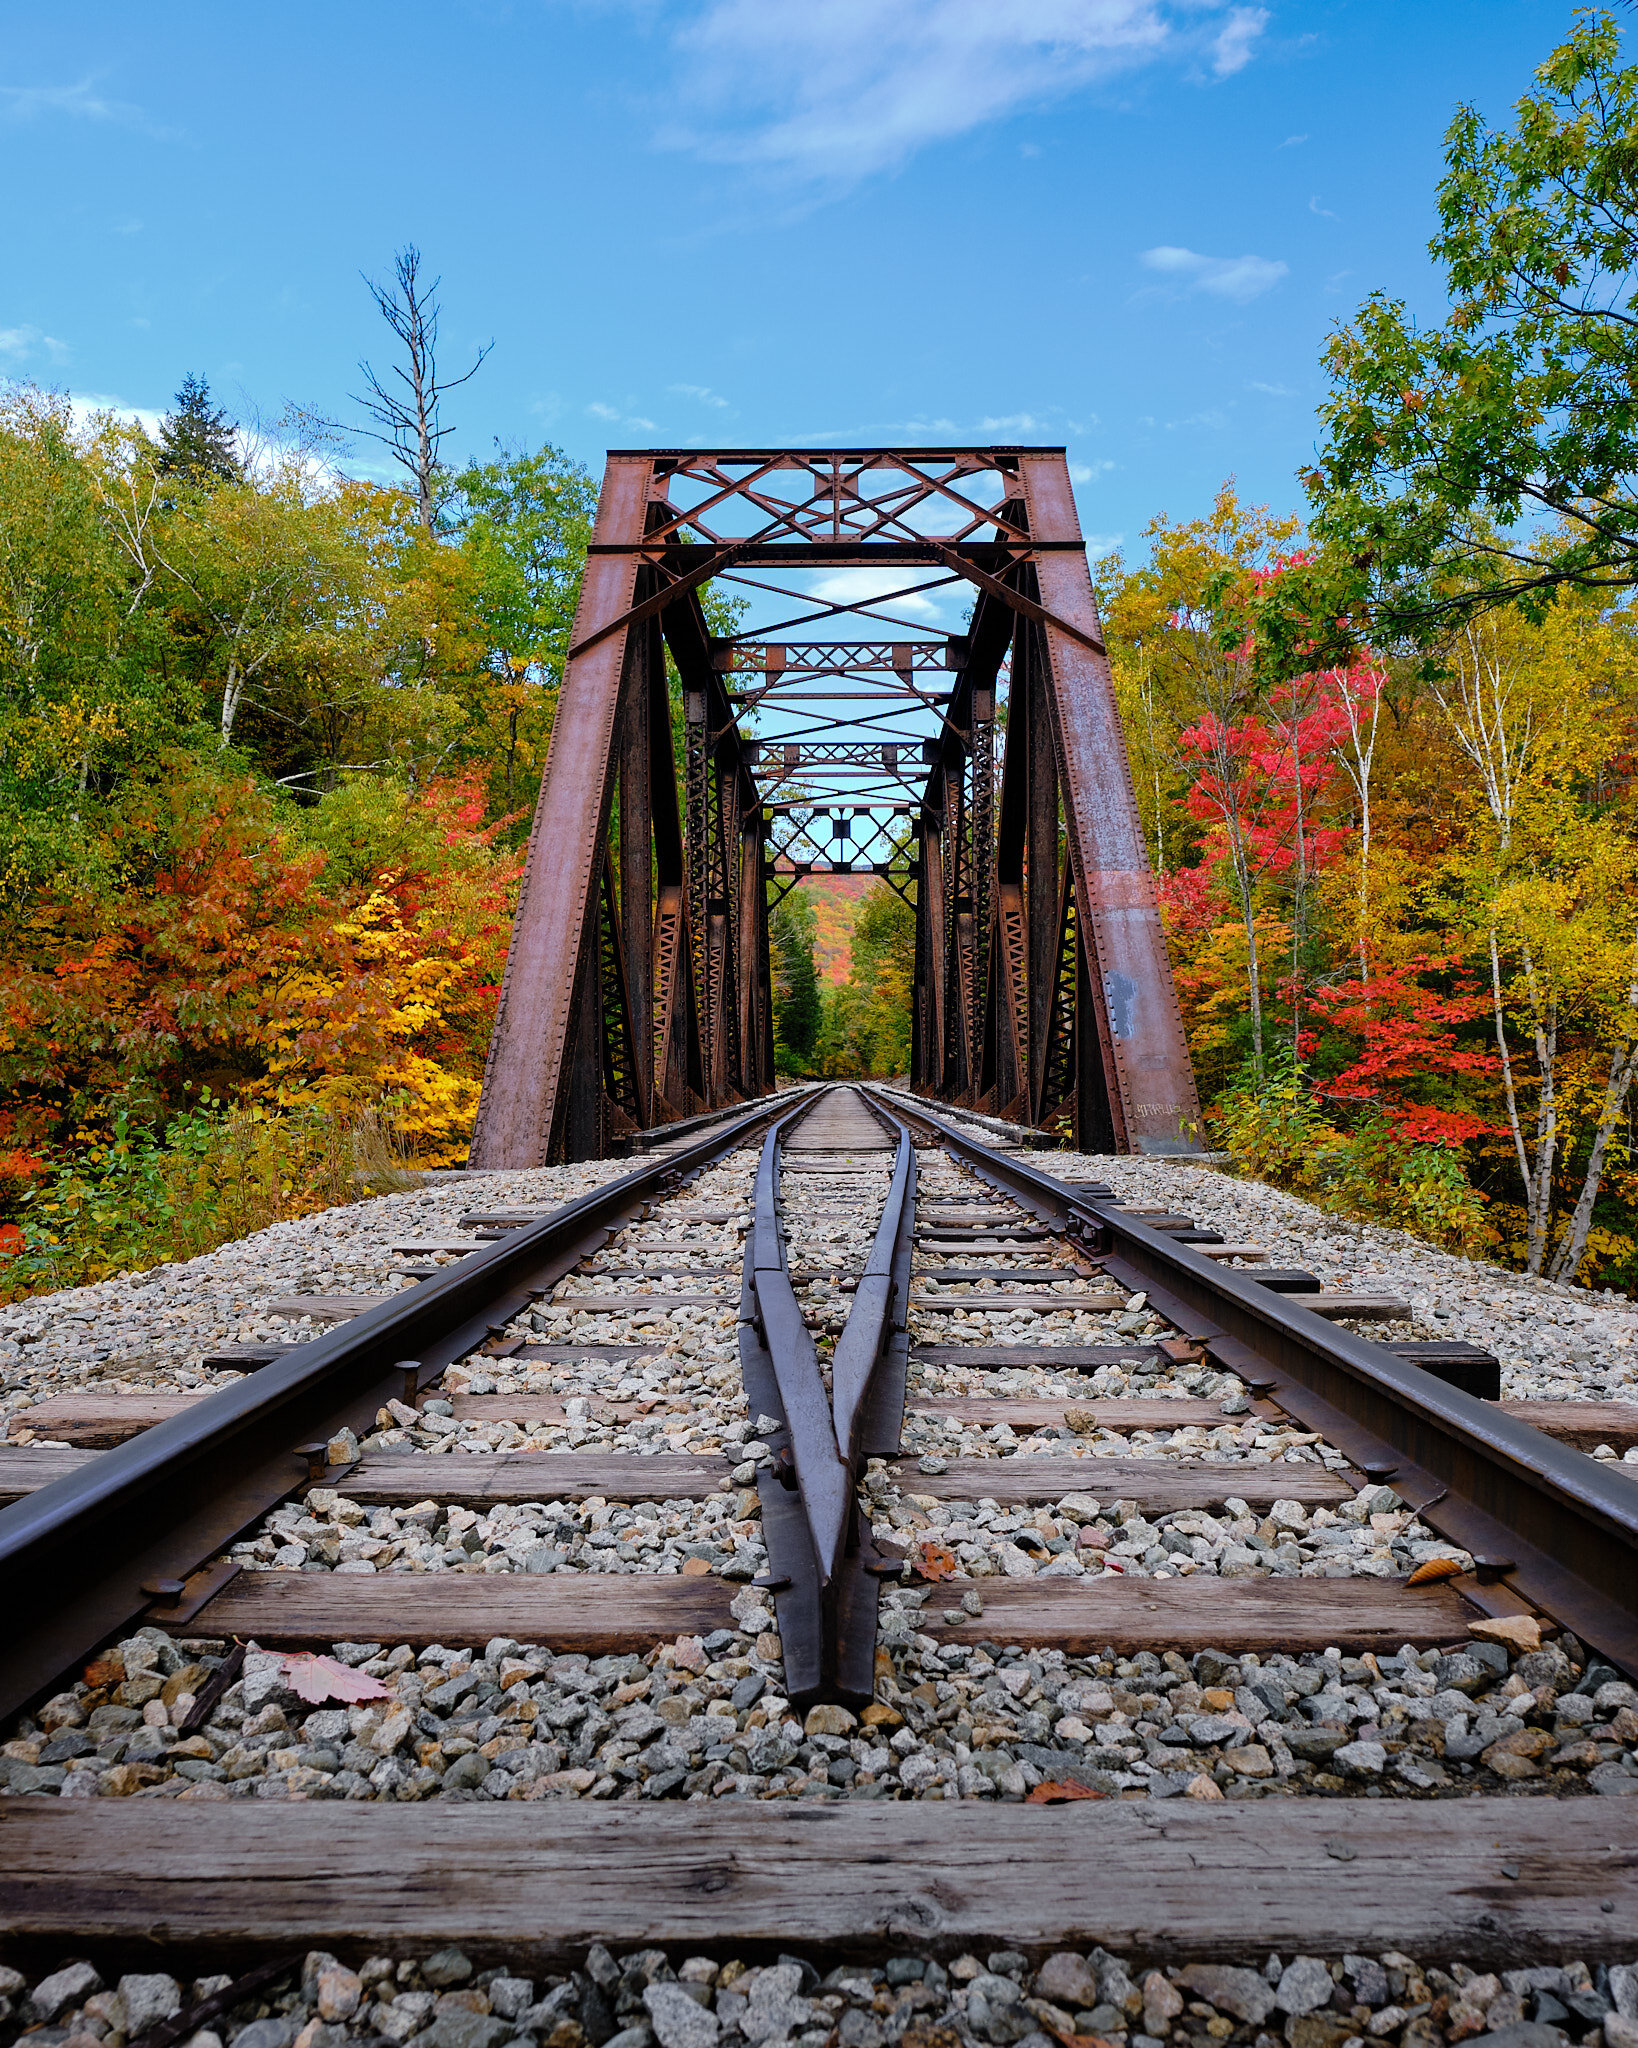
(24, 102)
(1240, 278)
(21, 343)
(79, 102)
(1324, 212)
(1231, 50)
(1271, 390)
(1103, 543)
(1088, 472)
(615, 417)
(869, 586)
(702, 393)
(834, 90)
(1293, 141)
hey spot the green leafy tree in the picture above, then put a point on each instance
(1492, 458)
(196, 441)
(524, 521)
(84, 688)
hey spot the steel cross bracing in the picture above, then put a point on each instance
(848, 724)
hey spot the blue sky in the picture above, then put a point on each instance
(1122, 224)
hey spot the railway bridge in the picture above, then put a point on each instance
(870, 661)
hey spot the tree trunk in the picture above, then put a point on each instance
(1572, 1246)
(1509, 1091)
(232, 691)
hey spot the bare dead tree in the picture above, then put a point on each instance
(406, 411)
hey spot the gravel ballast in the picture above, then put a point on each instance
(649, 1999)
(709, 1719)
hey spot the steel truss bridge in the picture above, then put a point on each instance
(980, 772)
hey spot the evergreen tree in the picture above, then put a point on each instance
(196, 438)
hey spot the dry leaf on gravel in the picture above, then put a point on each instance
(1051, 1790)
(1435, 1569)
(322, 1678)
(934, 1561)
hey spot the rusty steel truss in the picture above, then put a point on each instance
(979, 771)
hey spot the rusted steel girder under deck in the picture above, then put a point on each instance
(638, 986)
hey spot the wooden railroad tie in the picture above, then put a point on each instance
(532, 1884)
(604, 1612)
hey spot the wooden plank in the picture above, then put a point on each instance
(1047, 1357)
(250, 1357)
(1158, 1485)
(383, 1477)
(1014, 1234)
(594, 1612)
(1364, 1308)
(532, 1884)
(1024, 1412)
(600, 1612)
(326, 1308)
(1582, 1424)
(1231, 1251)
(949, 1276)
(28, 1467)
(662, 1263)
(1082, 1615)
(636, 1350)
(627, 1304)
(947, 1304)
(98, 1421)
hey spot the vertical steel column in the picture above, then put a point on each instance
(750, 950)
(530, 1050)
(981, 833)
(931, 914)
(1152, 1100)
(964, 992)
(1004, 1073)
(637, 856)
(679, 1081)
(1042, 908)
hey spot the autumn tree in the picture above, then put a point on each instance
(797, 1008)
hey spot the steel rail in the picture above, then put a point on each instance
(824, 1569)
(84, 1556)
(1548, 1527)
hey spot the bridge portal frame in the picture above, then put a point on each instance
(638, 987)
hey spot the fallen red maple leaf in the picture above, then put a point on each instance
(323, 1678)
(1051, 1790)
(933, 1560)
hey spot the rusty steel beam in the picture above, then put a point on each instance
(1153, 1105)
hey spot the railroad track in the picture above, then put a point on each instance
(1001, 1531)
